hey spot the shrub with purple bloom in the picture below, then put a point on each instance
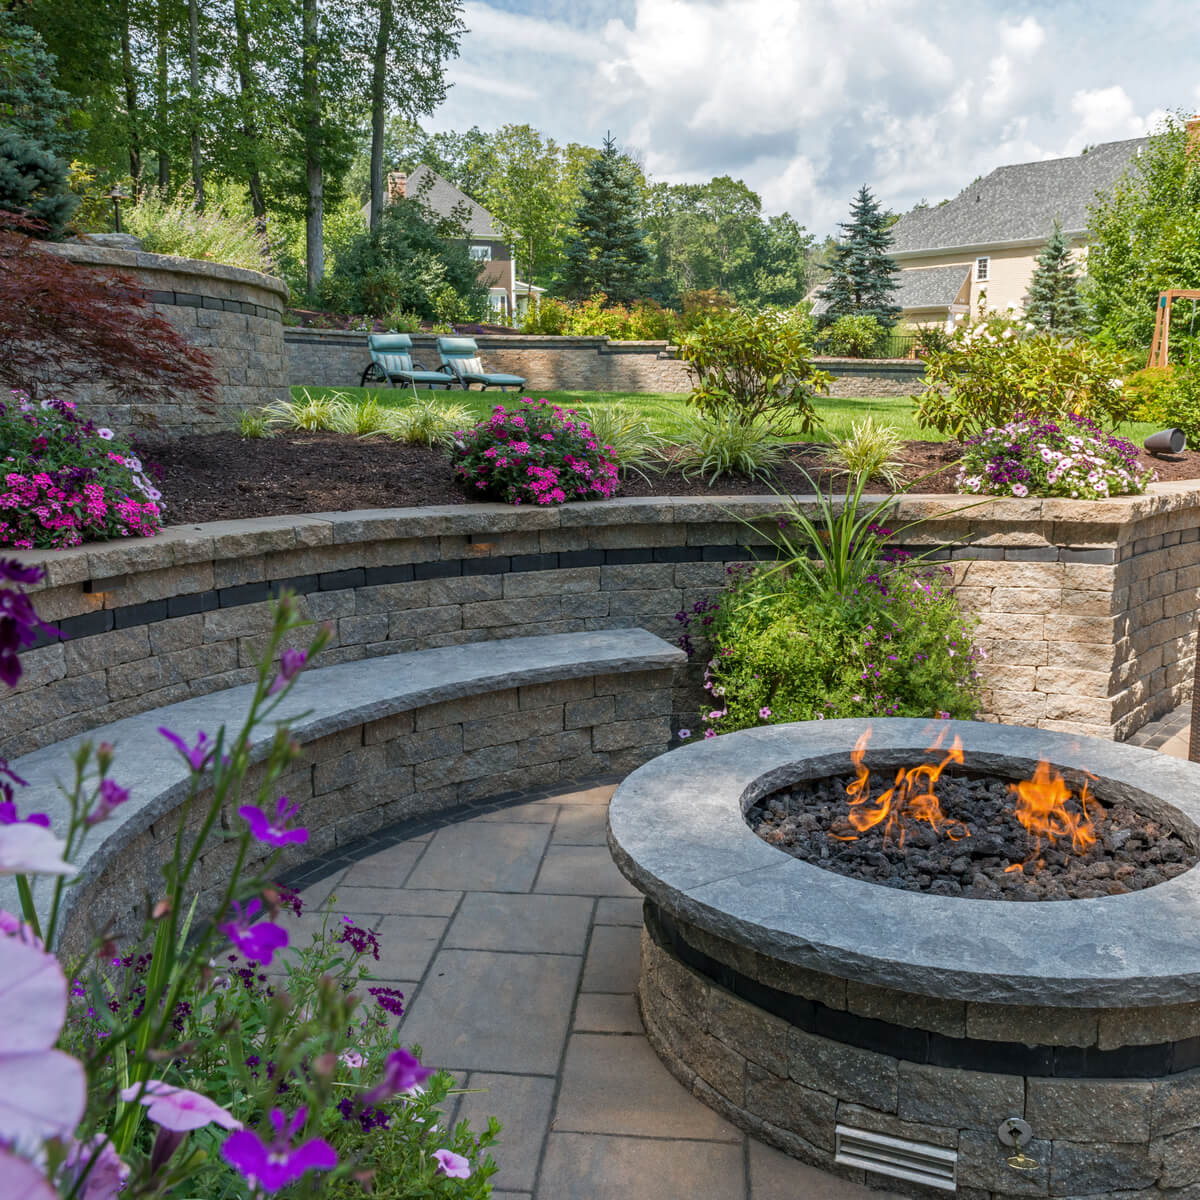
(361, 941)
(256, 940)
(1073, 457)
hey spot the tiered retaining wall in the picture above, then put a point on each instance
(236, 316)
(1087, 610)
(329, 358)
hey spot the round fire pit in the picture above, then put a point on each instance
(1014, 1049)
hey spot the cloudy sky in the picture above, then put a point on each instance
(807, 99)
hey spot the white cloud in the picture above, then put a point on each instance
(808, 99)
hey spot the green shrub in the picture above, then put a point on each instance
(220, 233)
(404, 320)
(999, 367)
(33, 185)
(1183, 409)
(870, 450)
(722, 443)
(785, 650)
(547, 316)
(309, 412)
(428, 423)
(632, 442)
(754, 366)
(254, 424)
(643, 320)
(857, 335)
(364, 418)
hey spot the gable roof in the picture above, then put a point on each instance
(442, 197)
(929, 287)
(1018, 203)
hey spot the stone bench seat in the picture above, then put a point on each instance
(384, 739)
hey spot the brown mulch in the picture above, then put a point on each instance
(221, 476)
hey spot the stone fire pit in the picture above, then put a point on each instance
(1003, 1049)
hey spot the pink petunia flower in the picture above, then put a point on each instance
(352, 1059)
(42, 1090)
(274, 832)
(31, 849)
(176, 1108)
(21, 1178)
(106, 1173)
(452, 1165)
(272, 1165)
(764, 713)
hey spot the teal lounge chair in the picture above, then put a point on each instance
(392, 362)
(461, 357)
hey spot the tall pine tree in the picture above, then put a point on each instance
(1054, 302)
(863, 277)
(606, 253)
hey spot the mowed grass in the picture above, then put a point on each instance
(667, 412)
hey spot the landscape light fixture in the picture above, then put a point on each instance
(1167, 441)
(116, 195)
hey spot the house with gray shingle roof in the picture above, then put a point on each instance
(487, 240)
(984, 243)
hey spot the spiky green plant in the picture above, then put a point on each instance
(364, 419)
(870, 450)
(724, 443)
(254, 424)
(634, 445)
(309, 412)
(428, 423)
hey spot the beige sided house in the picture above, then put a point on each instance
(486, 239)
(985, 242)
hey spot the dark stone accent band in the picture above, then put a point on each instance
(193, 300)
(919, 1045)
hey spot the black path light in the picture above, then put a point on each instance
(116, 195)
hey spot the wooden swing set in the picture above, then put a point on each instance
(1160, 346)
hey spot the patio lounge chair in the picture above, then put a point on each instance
(392, 362)
(461, 356)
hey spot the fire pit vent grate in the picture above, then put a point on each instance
(915, 1162)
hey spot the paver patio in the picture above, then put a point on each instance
(515, 941)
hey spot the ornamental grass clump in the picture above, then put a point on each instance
(1031, 457)
(175, 1065)
(65, 480)
(537, 453)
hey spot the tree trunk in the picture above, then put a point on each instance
(194, 100)
(314, 250)
(246, 96)
(160, 96)
(131, 99)
(378, 84)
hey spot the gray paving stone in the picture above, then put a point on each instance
(313, 897)
(777, 1176)
(618, 1085)
(531, 924)
(538, 812)
(581, 825)
(406, 944)
(424, 902)
(388, 868)
(484, 1011)
(493, 857)
(380, 901)
(613, 911)
(600, 794)
(522, 1104)
(590, 1167)
(582, 871)
(596, 1012)
(613, 959)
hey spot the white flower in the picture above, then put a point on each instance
(106, 434)
(1116, 384)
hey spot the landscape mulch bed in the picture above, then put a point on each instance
(222, 476)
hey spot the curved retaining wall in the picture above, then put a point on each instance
(235, 315)
(1087, 610)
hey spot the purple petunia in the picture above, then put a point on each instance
(291, 663)
(257, 941)
(452, 1165)
(270, 1166)
(274, 832)
(111, 794)
(401, 1072)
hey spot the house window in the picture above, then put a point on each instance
(981, 269)
(481, 253)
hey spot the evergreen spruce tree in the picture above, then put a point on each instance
(1054, 302)
(606, 252)
(863, 277)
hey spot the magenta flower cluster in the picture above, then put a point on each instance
(537, 453)
(64, 481)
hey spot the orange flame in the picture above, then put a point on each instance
(911, 795)
(1041, 807)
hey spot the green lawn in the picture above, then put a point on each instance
(665, 411)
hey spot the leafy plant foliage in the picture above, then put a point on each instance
(1054, 302)
(862, 276)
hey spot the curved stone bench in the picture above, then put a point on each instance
(385, 739)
